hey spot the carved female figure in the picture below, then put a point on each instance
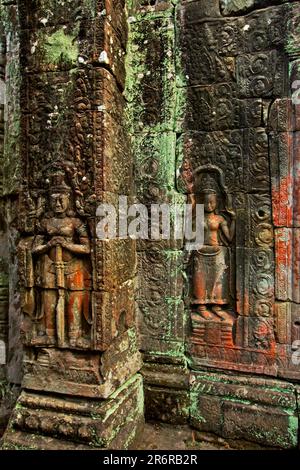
(62, 271)
(210, 263)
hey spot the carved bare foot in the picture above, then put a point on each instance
(73, 342)
(222, 314)
(219, 312)
(205, 313)
(196, 318)
(82, 343)
(43, 340)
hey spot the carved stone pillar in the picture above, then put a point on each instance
(3, 245)
(154, 93)
(3, 316)
(81, 382)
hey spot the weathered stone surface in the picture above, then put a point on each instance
(202, 9)
(156, 109)
(166, 391)
(217, 43)
(150, 287)
(68, 140)
(15, 346)
(261, 74)
(206, 414)
(160, 306)
(114, 313)
(152, 76)
(271, 391)
(283, 319)
(4, 299)
(237, 78)
(282, 117)
(229, 7)
(255, 282)
(85, 104)
(255, 409)
(241, 155)
(166, 405)
(235, 359)
(88, 104)
(288, 337)
(218, 108)
(116, 263)
(292, 36)
(166, 352)
(284, 252)
(167, 375)
(88, 422)
(213, 117)
(154, 154)
(154, 327)
(236, 6)
(84, 374)
(282, 172)
(11, 349)
(38, 14)
(88, 43)
(11, 157)
(150, 6)
(8, 398)
(259, 424)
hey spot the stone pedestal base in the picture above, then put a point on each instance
(213, 332)
(43, 421)
(243, 407)
(167, 396)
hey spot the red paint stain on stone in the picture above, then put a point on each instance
(282, 202)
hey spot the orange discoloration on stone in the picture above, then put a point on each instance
(246, 303)
(283, 249)
(282, 202)
(296, 180)
(296, 267)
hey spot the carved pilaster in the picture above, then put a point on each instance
(4, 294)
(76, 290)
(284, 152)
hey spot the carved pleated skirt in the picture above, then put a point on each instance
(211, 276)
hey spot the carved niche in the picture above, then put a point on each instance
(57, 268)
(231, 292)
(211, 267)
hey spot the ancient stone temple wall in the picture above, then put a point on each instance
(10, 184)
(236, 99)
(3, 261)
(213, 119)
(76, 291)
(154, 92)
(241, 149)
(160, 102)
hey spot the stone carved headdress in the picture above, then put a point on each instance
(209, 179)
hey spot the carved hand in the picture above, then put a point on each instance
(232, 213)
(40, 249)
(57, 241)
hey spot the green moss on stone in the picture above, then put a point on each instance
(293, 430)
(61, 47)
